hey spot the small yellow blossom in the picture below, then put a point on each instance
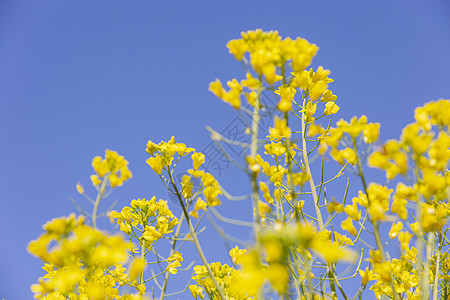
(395, 229)
(156, 163)
(151, 234)
(331, 108)
(80, 188)
(172, 268)
(198, 159)
(317, 90)
(348, 226)
(366, 276)
(328, 96)
(250, 82)
(286, 94)
(280, 130)
(235, 253)
(371, 132)
(196, 291)
(352, 211)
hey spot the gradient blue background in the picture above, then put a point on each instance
(77, 77)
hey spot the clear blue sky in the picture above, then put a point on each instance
(77, 77)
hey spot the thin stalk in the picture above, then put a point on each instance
(196, 242)
(423, 284)
(141, 276)
(430, 243)
(254, 184)
(308, 169)
(314, 194)
(253, 153)
(172, 251)
(291, 180)
(376, 232)
(436, 275)
(101, 191)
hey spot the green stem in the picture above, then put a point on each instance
(436, 275)
(430, 242)
(141, 275)
(376, 231)
(314, 195)
(194, 238)
(253, 153)
(308, 169)
(172, 251)
(100, 193)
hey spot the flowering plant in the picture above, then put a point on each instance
(389, 238)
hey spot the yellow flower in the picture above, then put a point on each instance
(196, 291)
(266, 192)
(352, 211)
(383, 270)
(301, 80)
(371, 132)
(250, 82)
(399, 207)
(187, 186)
(349, 155)
(177, 256)
(366, 276)
(278, 276)
(80, 188)
(419, 142)
(141, 289)
(211, 193)
(330, 251)
(404, 238)
(348, 226)
(429, 218)
(317, 90)
(137, 267)
(331, 108)
(235, 253)
(172, 268)
(251, 98)
(156, 163)
(280, 130)
(314, 130)
(200, 204)
(395, 229)
(422, 118)
(237, 48)
(287, 95)
(151, 234)
(334, 206)
(151, 147)
(310, 109)
(95, 180)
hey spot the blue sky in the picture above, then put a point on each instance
(79, 77)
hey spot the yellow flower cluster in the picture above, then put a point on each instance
(277, 242)
(175, 262)
(268, 54)
(399, 271)
(77, 261)
(113, 166)
(430, 153)
(229, 279)
(267, 51)
(423, 153)
(153, 219)
(163, 154)
(296, 254)
(210, 188)
(347, 133)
